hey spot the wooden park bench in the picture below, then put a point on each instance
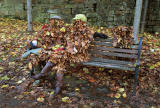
(103, 54)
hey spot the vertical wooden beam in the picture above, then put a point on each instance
(144, 16)
(137, 19)
(29, 15)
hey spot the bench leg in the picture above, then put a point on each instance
(136, 79)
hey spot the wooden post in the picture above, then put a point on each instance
(144, 16)
(137, 19)
(29, 15)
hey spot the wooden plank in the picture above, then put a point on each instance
(116, 50)
(110, 44)
(120, 62)
(109, 65)
(114, 54)
(104, 40)
(133, 47)
(102, 43)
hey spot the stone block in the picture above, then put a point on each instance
(19, 7)
(110, 18)
(66, 11)
(91, 14)
(69, 6)
(40, 17)
(156, 28)
(4, 11)
(80, 6)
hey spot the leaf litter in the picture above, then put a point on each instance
(14, 40)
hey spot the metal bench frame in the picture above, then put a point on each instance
(117, 52)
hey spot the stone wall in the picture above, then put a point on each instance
(153, 16)
(106, 13)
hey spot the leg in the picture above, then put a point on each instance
(32, 72)
(59, 81)
(45, 70)
(136, 79)
(31, 69)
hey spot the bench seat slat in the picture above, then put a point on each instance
(102, 43)
(109, 65)
(107, 44)
(114, 54)
(97, 59)
(104, 40)
(117, 50)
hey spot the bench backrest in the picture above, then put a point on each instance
(103, 48)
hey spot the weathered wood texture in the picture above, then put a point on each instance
(103, 54)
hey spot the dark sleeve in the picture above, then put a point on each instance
(100, 35)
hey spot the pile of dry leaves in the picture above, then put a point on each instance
(63, 43)
(123, 36)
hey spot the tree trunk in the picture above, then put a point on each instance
(144, 16)
(29, 15)
(137, 19)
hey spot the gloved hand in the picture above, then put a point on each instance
(32, 45)
(100, 35)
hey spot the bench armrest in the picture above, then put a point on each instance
(139, 51)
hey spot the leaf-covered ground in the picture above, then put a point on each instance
(84, 87)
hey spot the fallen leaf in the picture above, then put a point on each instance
(5, 78)
(11, 63)
(86, 106)
(91, 80)
(20, 96)
(4, 86)
(63, 29)
(86, 70)
(40, 99)
(98, 30)
(72, 65)
(20, 81)
(111, 95)
(1, 68)
(121, 90)
(47, 33)
(101, 69)
(151, 67)
(4, 59)
(52, 93)
(117, 95)
(65, 99)
(124, 95)
(110, 71)
(77, 89)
